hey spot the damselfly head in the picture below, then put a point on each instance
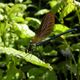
(45, 27)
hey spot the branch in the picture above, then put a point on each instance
(53, 38)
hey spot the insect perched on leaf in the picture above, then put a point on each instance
(45, 27)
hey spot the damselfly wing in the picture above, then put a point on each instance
(45, 27)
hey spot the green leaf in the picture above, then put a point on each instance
(2, 5)
(41, 74)
(73, 68)
(59, 28)
(1, 10)
(51, 53)
(41, 12)
(76, 47)
(26, 56)
(67, 10)
(70, 1)
(56, 5)
(1, 17)
(36, 73)
(53, 3)
(3, 28)
(33, 22)
(12, 72)
(15, 10)
(50, 75)
(28, 1)
(23, 31)
(18, 19)
(20, 1)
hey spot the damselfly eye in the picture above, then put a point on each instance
(45, 27)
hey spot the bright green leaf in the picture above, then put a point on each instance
(53, 3)
(56, 5)
(19, 1)
(1, 17)
(2, 5)
(41, 12)
(59, 28)
(18, 19)
(26, 56)
(67, 10)
(69, 1)
(23, 31)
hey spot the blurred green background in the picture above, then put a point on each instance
(56, 60)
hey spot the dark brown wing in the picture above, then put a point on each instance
(45, 28)
(46, 25)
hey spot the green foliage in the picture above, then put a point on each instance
(28, 57)
(41, 12)
(56, 60)
(33, 22)
(40, 74)
(59, 28)
(67, 9)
